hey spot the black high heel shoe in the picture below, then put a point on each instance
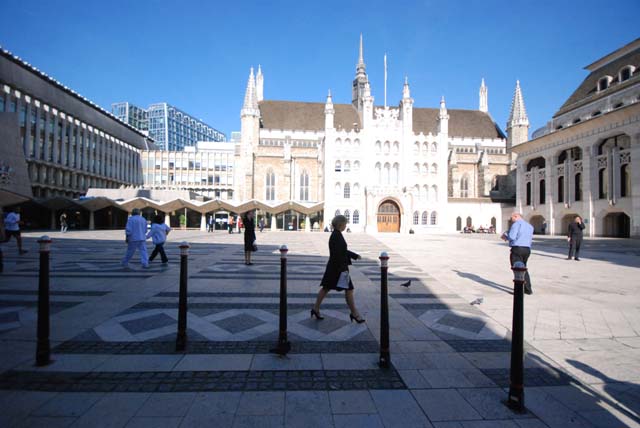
(358, 320)
(315, 314)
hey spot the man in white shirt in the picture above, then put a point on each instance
(12, 228)
(136, 236)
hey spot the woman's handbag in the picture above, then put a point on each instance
(254, 246)
(343, 281)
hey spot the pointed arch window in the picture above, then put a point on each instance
(304, 185)
(338, 167)
(396, 173)
(347, 166)
(270, 187)
(425, 192)
(425, 168)
(387, 173)
(416, 168)
(356, 217)
(542, 192)
(378, 173)
(434, 192)
(356, 189)
(425, 147)
(337, 213)
(387, 147)
(458, 223)
(434, 169)
(434, 218)
(347, 214)
(577, 183)
(464, 186)
(338, 190)
(625, 181)
(416, 218)
(425, 218)
(434, 147)
(356, 166)
(347, 191)
(416, 148)
(378, 147)
(561, 188)
(396, 147)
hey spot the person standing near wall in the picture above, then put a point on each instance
(574, 237)
(63, 223)
(249, 237)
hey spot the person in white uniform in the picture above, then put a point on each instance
(136, 236)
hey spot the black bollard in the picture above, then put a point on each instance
(181, 339)
(385, 356)
(284, 346)
(516, 386)
(43, 348)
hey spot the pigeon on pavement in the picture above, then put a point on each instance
(406, 284)
(478, 301)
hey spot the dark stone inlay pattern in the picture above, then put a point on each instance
(293, 380)
(34, 303)
(239, 323)
(54, 293)
(547, 376)
(480, 345)
(148, 323)
(410, 295)
(81, 274)
(211, 347)
(244, 274)
(464, 323)
(244, 295)
(221, 305)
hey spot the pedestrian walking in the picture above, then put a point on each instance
(574, 237)
(249, 236)
(261, 224)
(210, 224)
(336, 275)
(12, 222)
(158, 234)
(240, 224)
(63, 223)
(136, 235)
(230, 224)
(520, 237)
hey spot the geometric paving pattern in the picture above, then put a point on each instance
(270, 380)
(237, 324)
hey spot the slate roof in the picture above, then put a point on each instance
(587, 91)
(310, 117)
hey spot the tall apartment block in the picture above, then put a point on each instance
(169, 127)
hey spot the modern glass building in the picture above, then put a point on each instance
(169, 127)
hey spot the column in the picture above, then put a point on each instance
(635, 181)
(273, 222)
(590, 184)
(307, 224)
(47, 134)
(92, 221)
(203, 222)
(52, 221)
(550, 197)
(614, 184)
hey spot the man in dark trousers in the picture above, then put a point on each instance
(520, 236)
(574, 236)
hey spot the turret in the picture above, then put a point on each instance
(361, 79)
(518, 123)
(328, 112)
(443, 118)
(406, 108)
(484, 98)
(259, 85)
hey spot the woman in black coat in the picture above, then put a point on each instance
(249, 236)
(574, 236)
(339, 260)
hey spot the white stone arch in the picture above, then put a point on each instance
(425, 168)
(387, 147)
(396, 147)
(347, 142)
(338, 166)
(356, 142)
(356, 189)
(387, 173)
(356, 166)
(416, 168)
(425, 147)
(378, 147)
(434, 168)
(434, 192)
(338, 190)
(396, 173)
(347, 166)
(378, 173)
(338, 142)
(434, 147)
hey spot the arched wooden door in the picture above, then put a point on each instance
(388, 217)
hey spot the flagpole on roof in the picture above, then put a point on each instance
(385, 80)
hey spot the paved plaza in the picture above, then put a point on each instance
(113, 333)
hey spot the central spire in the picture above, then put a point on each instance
(360, 80)
(361, 66)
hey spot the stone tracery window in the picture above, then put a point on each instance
(270, 181)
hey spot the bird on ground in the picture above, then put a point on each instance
(478, 301)
(406, 284)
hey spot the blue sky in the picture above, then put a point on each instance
(196, 55)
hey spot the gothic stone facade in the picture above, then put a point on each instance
(392, 169)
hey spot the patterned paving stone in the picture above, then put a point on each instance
(163, 381)
(468, 324)
(148, 323)
(547, 376)
(239, 323)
